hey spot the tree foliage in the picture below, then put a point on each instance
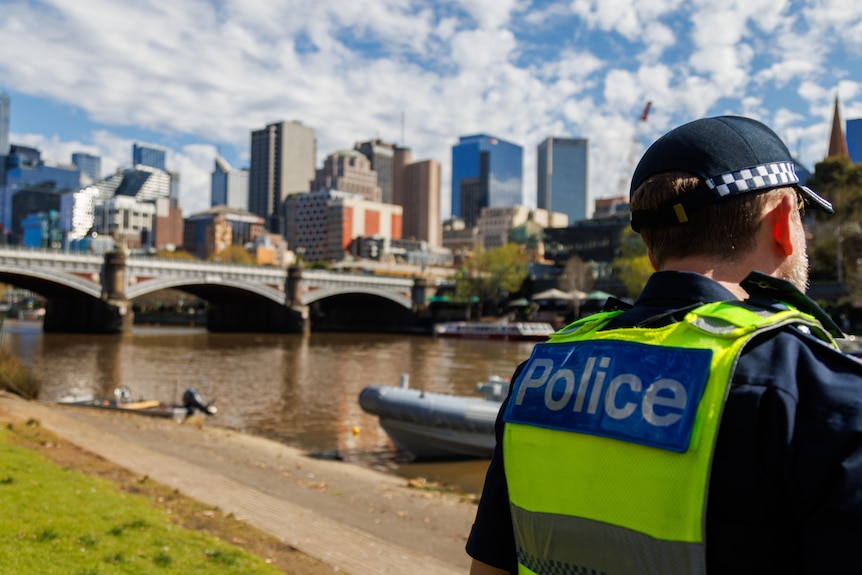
(632, 266)
(233, 254)
(175, 254)
(577, 275)
(492, 274)
(839, 181)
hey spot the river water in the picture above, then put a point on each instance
(301, 390)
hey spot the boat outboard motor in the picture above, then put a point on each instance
(192, 400)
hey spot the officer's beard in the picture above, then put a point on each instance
(795, 269)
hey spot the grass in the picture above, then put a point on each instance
(58, 521)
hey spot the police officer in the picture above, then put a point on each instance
(714, 427)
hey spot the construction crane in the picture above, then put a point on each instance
(633, 150)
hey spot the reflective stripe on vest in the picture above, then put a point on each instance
(609, 437)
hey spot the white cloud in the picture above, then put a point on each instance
(490, 13)
(205, 73)
(194, 164)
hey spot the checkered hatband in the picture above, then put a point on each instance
(757, 178)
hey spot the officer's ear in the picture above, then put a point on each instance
(652, 261)
(781, 218)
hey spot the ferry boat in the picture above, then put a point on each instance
(514, 331)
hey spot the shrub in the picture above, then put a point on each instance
(14, 378)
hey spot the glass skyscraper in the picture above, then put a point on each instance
(486, 172)
(88, 164)
(854, 140)
(229, 186)
(562, 177)
(148, 156)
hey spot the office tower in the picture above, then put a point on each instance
(127, 220)
(348, 171)
(486, 172)
(421, 202)
(145, 183)
(89, 165)
(229, 186)
(381, 156)
(77, 209)
(32, 199)
(25, 169)
(220, 227)
(144, 155)
(174, 187)
(323, 224)
(4, 125)
(562, 177)
(401, 158)
(854, 140)
(283, 157)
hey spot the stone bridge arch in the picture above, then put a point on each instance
(48, 282)
(196, 287)
(323, 293)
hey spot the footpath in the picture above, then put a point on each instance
(357, 520)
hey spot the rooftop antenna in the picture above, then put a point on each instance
(402, 129)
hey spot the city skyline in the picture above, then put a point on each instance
(198, 78)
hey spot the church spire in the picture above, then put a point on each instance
(837, 141)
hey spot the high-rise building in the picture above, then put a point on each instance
(348, 171)
(562, 177)
(381, 156)
(129, 221)
(89, 165)
(229, 186)
(854, 140)
(323, 224)
(220, 227)
(145, 183)
(421, 202)
(24, 169)
(4, 125)
(283, 157)
(486, 172)
(146, 155)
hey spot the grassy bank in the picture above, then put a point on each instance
(14, 378)
(57, 520)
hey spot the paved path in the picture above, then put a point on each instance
(359, 521)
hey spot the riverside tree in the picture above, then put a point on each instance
(490, 275)
(837, 238)
(632, 265)
(233, 254)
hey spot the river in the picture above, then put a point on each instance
(301, 390)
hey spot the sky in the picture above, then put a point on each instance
(197, 76)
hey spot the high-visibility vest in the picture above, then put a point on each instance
(610, 434)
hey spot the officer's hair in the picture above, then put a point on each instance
(725, 230)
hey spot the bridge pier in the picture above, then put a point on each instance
(87, 315)
(83, 314)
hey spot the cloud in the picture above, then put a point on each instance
(197, 74)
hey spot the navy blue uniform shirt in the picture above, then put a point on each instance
(785, 491)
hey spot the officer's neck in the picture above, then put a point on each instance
(728, 274)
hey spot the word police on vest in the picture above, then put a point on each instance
(622, 390)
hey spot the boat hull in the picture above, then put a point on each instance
(148, 408)
(513, 331)
(433, 425)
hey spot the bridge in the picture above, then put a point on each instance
(94, 293)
